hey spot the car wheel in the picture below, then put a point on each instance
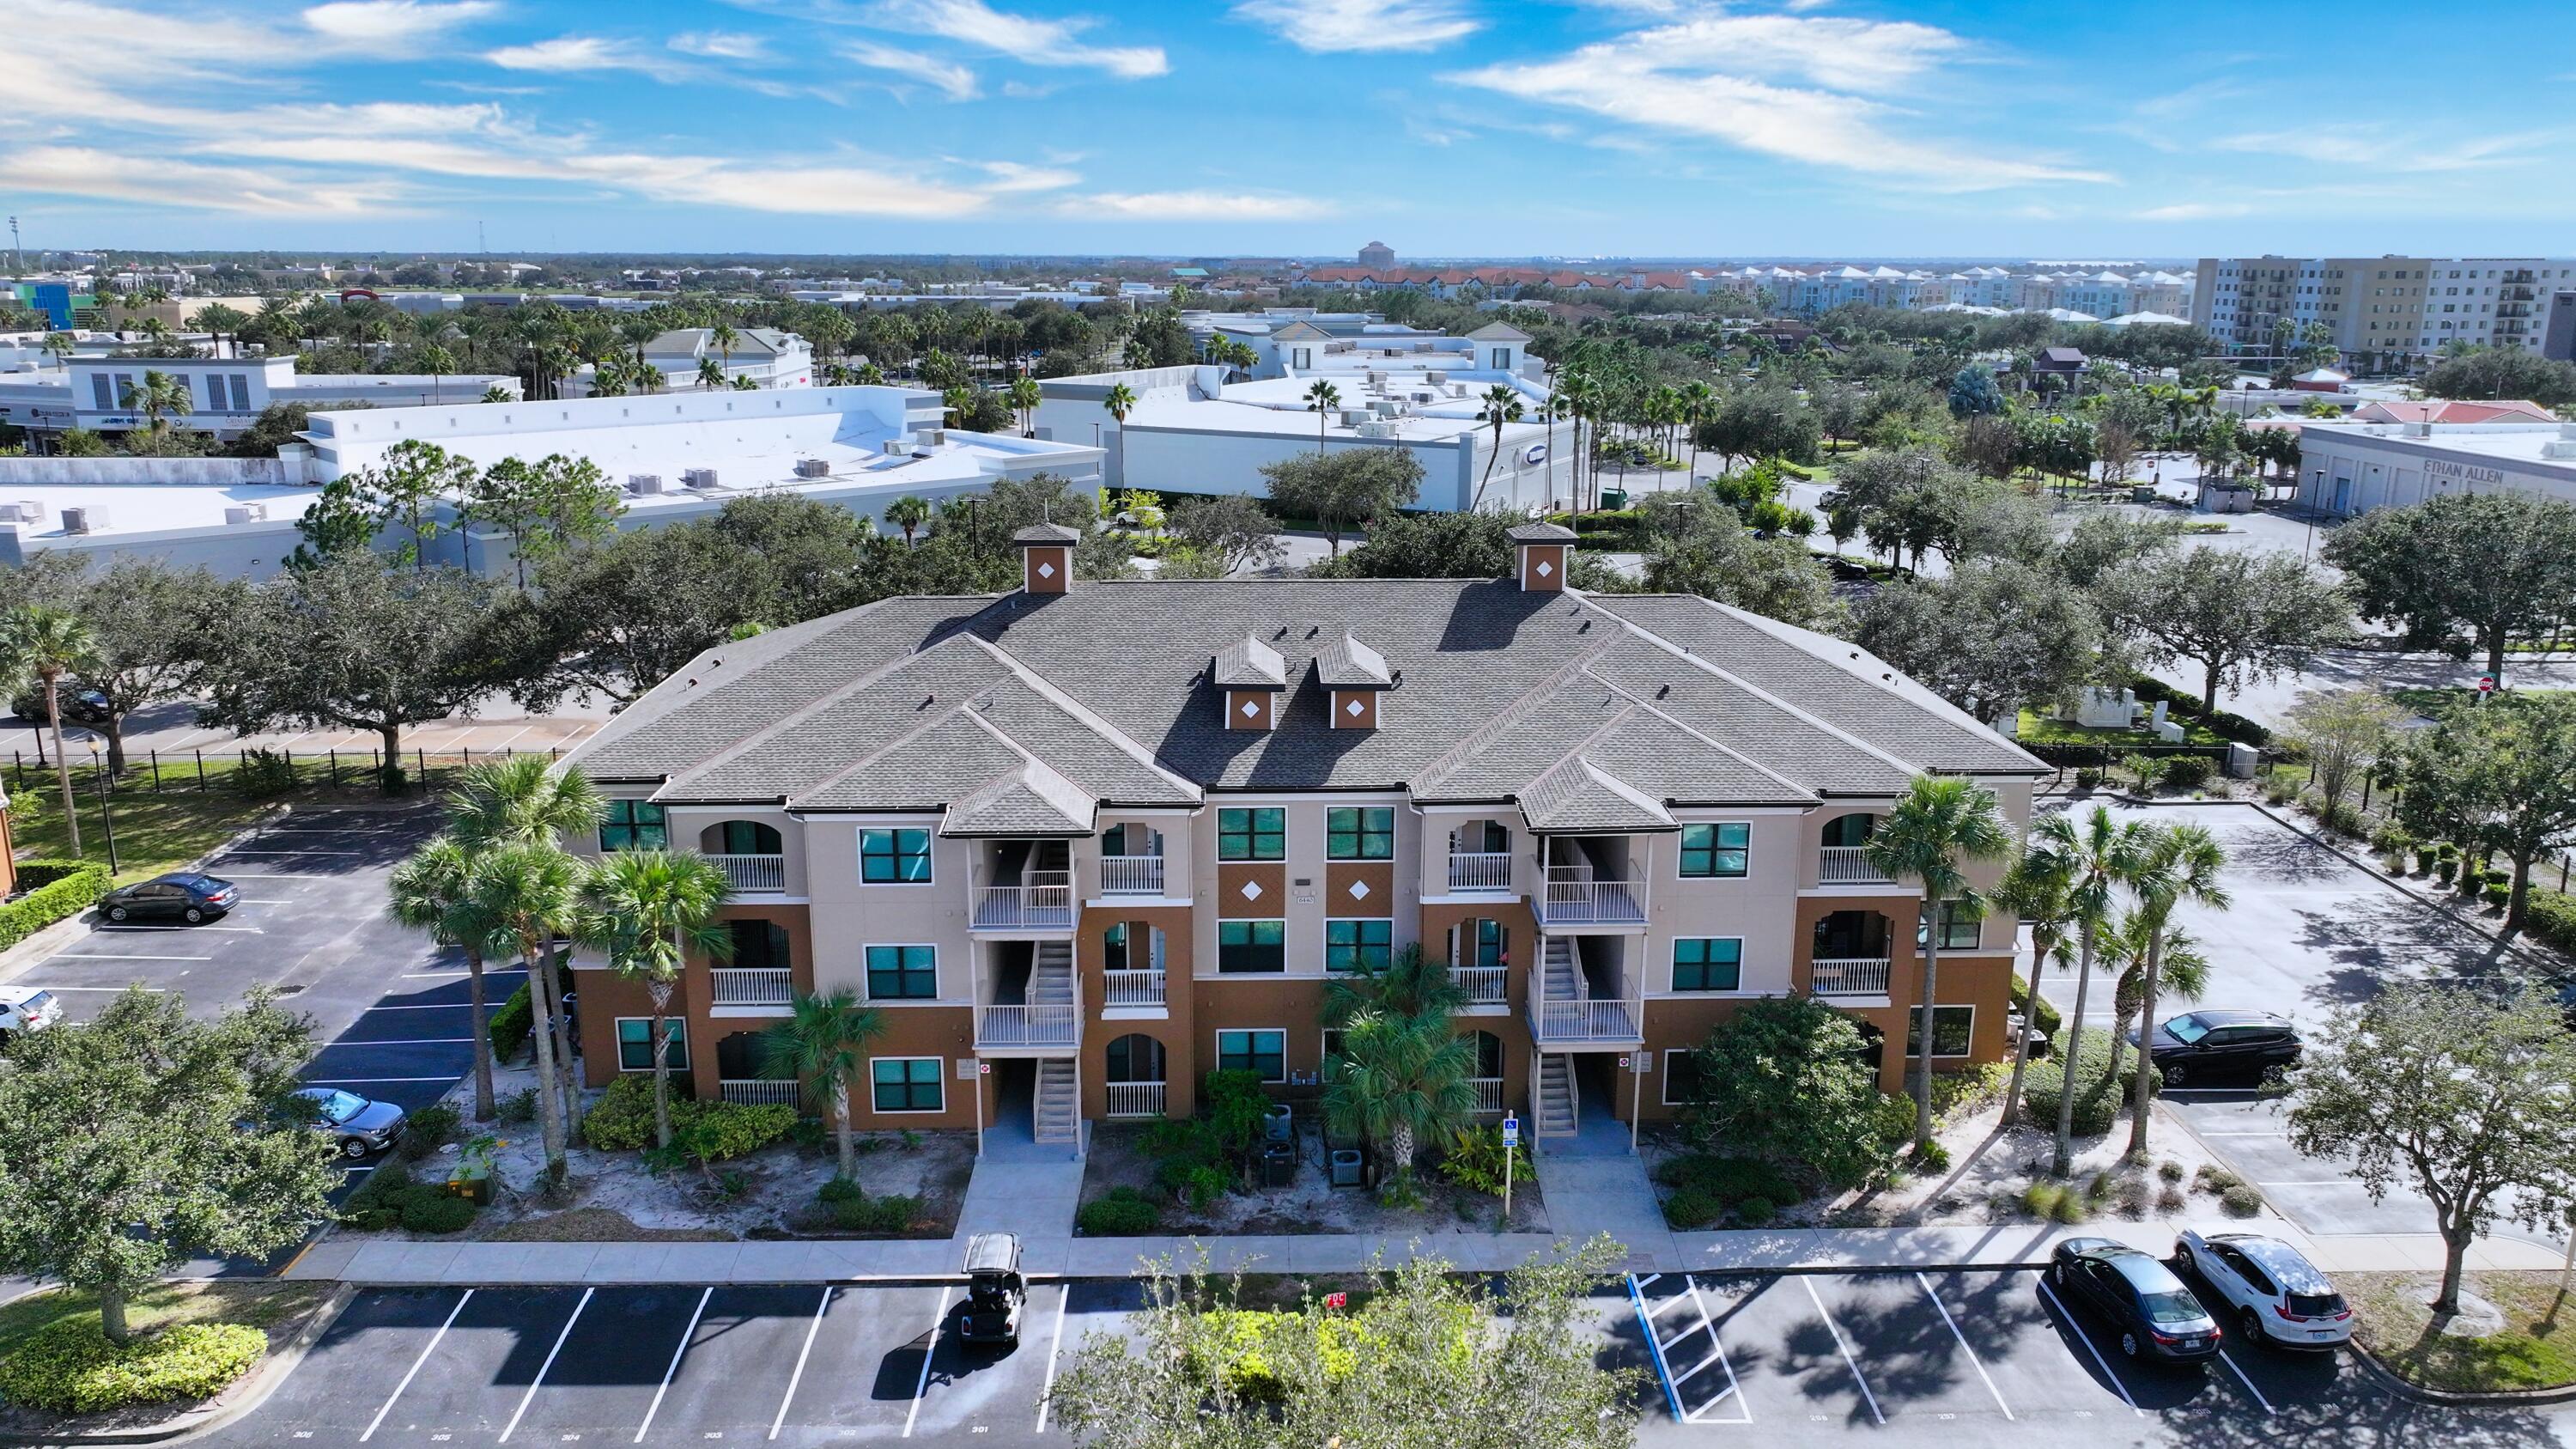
(116, 913)
(2176, 1074)
(2250, 1323)
(2129, 1344)
(2057, 1274)
(192, 915)
(352, 1148)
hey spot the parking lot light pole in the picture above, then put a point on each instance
(106, 812)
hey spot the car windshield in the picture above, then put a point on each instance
(2186, 1029)
(37, 1003)
(2316, 1305)
(339, 1106)
(2171, 1305)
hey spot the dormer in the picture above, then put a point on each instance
(1250, 676)
(1353, 674)
(1499, 347)
(1046, 557)
(1545, 554)
(1300, 343)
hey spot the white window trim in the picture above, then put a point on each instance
(866, 994)
(1714, 846)
(680, 1037)
(1672, 967)
(1216, 1039)
(1664, 1077)
(1937, 1008)
(941, 1080)
(880, 885)
(1325, 948)
(1216, 962)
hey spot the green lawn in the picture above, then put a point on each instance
(2037, 729)
(2535, 1349)
(262, 1303)
(155, 830)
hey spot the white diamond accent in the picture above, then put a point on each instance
(1252, 890)
(1359, 890)
(1047, 570)
(1250, 710)
(1354, 709)
(1545, 568)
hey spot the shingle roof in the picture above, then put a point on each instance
(1045, 533)
(1541, 533)
(1346, 663)
(1031, 800)
(1247, 663)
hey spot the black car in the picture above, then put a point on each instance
(2203, 1044)
(179, 896)
(81, 704)
(2155, 1315)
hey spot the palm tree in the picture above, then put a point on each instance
(959, 400)
(1321, 399)
(711, 374)
(1119, 401)
(1581, 398)
(1699, 407)
(909, 514)
(497, 393)
(650, 910)
(2183, 864)
(1936, 826)
(1024, 398)
(48, 643)
(1502, 405)
(59, 346)
(2035, 891)
(1408, 985)
(156, 395)
(433, 891)
(2185, 972)
(871, 375)
(529, 893)
(824, 1043)
(437, 361)
(1550, 408)
(525, 801)
(722, 337)
(1398, 1080)
(2094, 858)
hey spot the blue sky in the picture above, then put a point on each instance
(2124, 128)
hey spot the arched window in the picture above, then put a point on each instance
(740, 837)
(1489, 1054)
(1135, 1057)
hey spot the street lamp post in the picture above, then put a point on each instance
(106, 814)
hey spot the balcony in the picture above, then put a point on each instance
(1847, 865)
(1131, 875)
(1483, 985)
(748, 873)
(1575, 896)
(1027, 1026)
(1480, 871)
(759, 1094)
(1043, 903)
(1849, 976)
(1135, 1099)
(740, 986)
(1489, 1095)
(1132, 988)
(1601, 1019)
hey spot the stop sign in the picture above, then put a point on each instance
(2486, 684)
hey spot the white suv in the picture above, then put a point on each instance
(2277, 1295)
(27, 1009)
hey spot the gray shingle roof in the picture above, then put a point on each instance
(1541, 533)
(1346, 663)
(1247, 663)
(1046, 533)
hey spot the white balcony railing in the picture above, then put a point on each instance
(1027, 1026)
(1600, 1019)
(1850, 976)
(1575, 896)
(752, 986)
(1484, 985)
(1132, 988)
(760, 1094)
(1847, 865)
(1480, 870)
(1043, 903)
(1135, 1099)
(1131, 875)
(754, 872)
(1489, 1094)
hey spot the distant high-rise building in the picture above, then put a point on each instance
(1377, 255)
(2384, 311)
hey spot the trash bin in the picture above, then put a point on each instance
(1346, 1168)
(1278, 1164)
(1614, 499)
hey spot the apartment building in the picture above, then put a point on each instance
(2391, 311)
(1084, 843)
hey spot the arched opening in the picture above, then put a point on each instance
(1850, 830)
(740, 837)
(1850, 956)
(1135, 1076)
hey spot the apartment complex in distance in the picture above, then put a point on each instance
(2392, 311)
(1085, 842)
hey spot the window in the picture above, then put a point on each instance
(1681, 1078)
(1251, 946)
(1357, 945)
(903, 973)
(214, 392)
(758, 944)
(1951, 1028)
(1332, 1044)
(1715, 850)
(1262, 1052)
(1962, 925)
(1489, 944)
(748, 837)
(1113, 948)
(1703, 963)
(241, 393)
(102, 392)
(1483, 837)
(894, 857)
(1251, 834)
(1135, 1058)
(634, 825)
(635, 1045)
(906, 1084)
(1359, 834)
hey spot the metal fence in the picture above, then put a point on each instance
(155, 772)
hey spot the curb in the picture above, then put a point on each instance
(254, 1391)
(2399, 1388)
(2513, 946)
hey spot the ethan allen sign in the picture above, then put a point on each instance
(2464, 472)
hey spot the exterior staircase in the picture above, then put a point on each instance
(1564, 977)
(1554, 1096)
(1057, 1109)
(1051, 974)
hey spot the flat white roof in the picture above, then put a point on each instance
(2521, 445)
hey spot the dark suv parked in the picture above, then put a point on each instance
(2204, 1044)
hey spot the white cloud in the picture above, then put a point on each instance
(1011, 176)
(568, 54)
(1191, 206)
(1023, 38)
(390, 22)
(2194, 211)
(720, 45)
(160, 182)
(955, 81)
(2379, 151)
(1324, 26)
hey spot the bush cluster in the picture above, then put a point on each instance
(2042, 1016)
(263, 775)
(391, 1198)
(892, 1213)
(429, 1129)
(622, 1121)
(2550, 916)
(509, 1027)
(2187, 772)
(1706, 1187)
(2179, 705)
(2098, 1099)
(1122, 1213)
(1474, 1161)
(69, 1366)
(55, 890)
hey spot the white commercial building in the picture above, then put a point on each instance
(764, 356)
(2351, 468)
(225, 394)
(675, 457)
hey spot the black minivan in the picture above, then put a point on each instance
(2204, 1044)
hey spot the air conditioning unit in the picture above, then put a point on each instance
(1385, 409)
(813, 468)
(1435, 377)
(26, 510)
(1353, 417)
(699, 478)
(87, 519)
(936, 438)
(899, 446)
(643, 484)
(241, 513)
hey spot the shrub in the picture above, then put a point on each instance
(71, 889)
(2098, 1099)
(2042, 1016)
(508, 1027)
(518, 1107)
(2050, 1200)
(2550, 916)
(841, 1189)
(889, 1214)
(1933, 1157)
(429, 1130)
(2444, 869)
(69, 1366)
(1123, 1213)
(2499, 893)
(1753, 1212)
(431, 1209)
(2088, 778)
(1692, 1208)
(2169, 1170)
(2187, 772)
(1728, 1182)
(378, 1202)
(2425, 855)
(1475, 1161)
(2241, 1201)
(2213, 1178)
(2450, 850)
(263, 775)
(2391, 840)
(622, 1119)
(2144, 771)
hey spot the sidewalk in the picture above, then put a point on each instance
(382, 1262)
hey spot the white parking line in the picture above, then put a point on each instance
(122, 956)
(2248, 1383)
(922, 1385)
(147, 990)
(237, 930)
(1973, 1361)
(371, 1081)
(677, 1350)
(275, 875)
(539, 1381)
(431, 1006)
(488, 973)
(286, 850)
(1734, 1389)
(1839, 1342)
(799, 1376)
(426, 1350)
(1046, 1391)
(2087, 1340)
(403, 1041)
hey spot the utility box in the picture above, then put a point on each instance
(1347, 1167)
(1278, 1164)
(2243, 761)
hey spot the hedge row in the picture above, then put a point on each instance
(62, 889)
(509, 1026)
(622, 1121)
(2181, 705)
(2550, 916)
(69, 1366)
(2103, 757)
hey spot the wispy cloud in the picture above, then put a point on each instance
(385, 22)
(1324, 26)
(720, 45)
(2194, 211)
(1024, 38)
(950, 78)
(568, 54)
(1191, 206)
(2384, 151)
(161, 182)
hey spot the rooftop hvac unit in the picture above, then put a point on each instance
(643, 484)
(1457, 389)
(899, 446)
(25, 510)
(937, 437)
(813, 468)
(1386, 409)
(700, 478)
(1376, 378)
(1353, 417)
(1424, 397)
(87, 519)
(242, 513)
(1435, 377)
